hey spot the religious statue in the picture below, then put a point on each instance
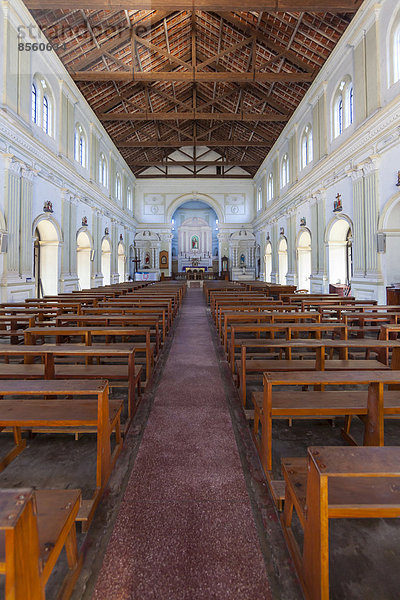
(242, 260)
(147, 259)
(195, 242)
(337, 204)
(48, 206)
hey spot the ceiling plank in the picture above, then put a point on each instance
(122, 38)
(161, 51)
(266, 41)
(222, 53)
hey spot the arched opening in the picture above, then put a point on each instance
(106, 261)
(194, 231)
(45, 255)
(131, 263)
(268, 262)
(304, 260)
(389, 226)
(340, 253)
(121, 262)
(282, 261)
(83, 263)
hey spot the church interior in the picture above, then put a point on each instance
(199, 300)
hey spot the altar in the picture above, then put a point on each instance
(195, 245)
(147, 275)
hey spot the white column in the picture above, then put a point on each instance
(359, 240)
(26, 258)
(12, 217)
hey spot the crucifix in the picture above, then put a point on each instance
(337, 205)
(137, 263)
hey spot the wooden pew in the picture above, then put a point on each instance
(259, 366)
(265, 317)
(372, 406)
(335, 483)
(34, 528)
(87, 333)
(24, 405)
(150, 310)
(316, 329)
(111, 321)
(129, 373)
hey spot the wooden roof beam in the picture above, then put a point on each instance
(192, 76)
(198, 143)
(317, 6)
(193, 115)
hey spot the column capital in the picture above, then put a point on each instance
(12, 164)
(28, 173)
(355, 174)
(371, 164)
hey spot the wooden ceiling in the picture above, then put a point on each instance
(194, 75)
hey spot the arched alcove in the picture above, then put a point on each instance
(340, 252)
(268, 262)
(203, 198)
(106, 261)
(83, 255)
(121, 262)
(282, 260)
(389, 225)
(304, 260)
(46, 250)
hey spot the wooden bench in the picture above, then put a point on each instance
(320, 347)
(67, 405)
(371, 406)
(128, 374)
(266, 317)
(34, 528)
(288, 329)
(335, 483)
(87, 333)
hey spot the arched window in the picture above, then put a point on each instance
(34, 104)
(350, 104)
(285, 171)
(80, 146)
(396, 53)
(118, 187)
(259, 199)
(129, 203)
(46, 115)
(306, 146)
(42, 105)
(103, 170)
(343, 107)
(270, 187)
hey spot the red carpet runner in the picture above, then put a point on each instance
(185, 529)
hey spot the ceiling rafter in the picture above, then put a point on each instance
(180, 89)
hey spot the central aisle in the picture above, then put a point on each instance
(185, 529)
